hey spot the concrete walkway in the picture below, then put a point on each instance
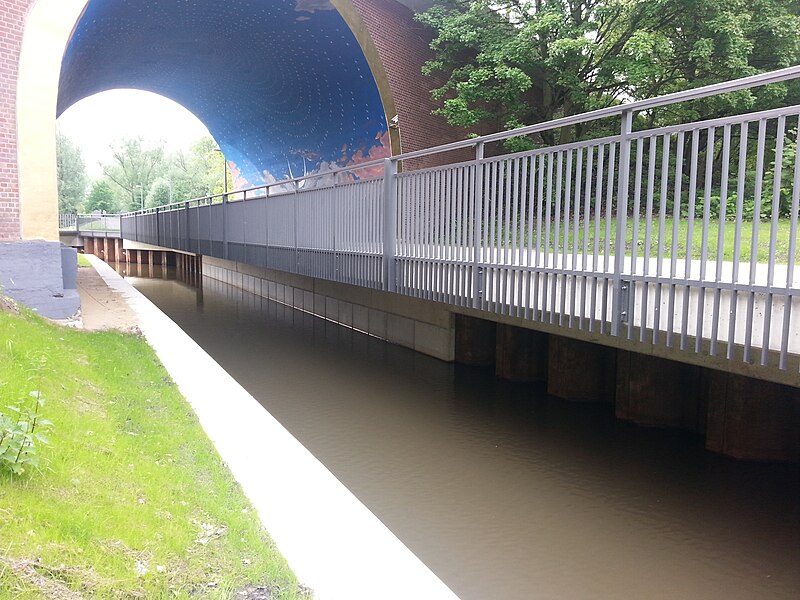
(101, 307)
(335, 545)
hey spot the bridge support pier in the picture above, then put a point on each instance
(475, 341)
(582, 371)
(657, 392)
(521, 354)
(752, 419)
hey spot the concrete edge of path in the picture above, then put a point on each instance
(332, 541)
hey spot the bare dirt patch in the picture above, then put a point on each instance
(102, 307)
(47, 579)
(7, 305)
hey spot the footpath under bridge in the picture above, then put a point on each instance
(677, 241)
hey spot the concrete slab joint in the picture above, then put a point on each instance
(432, 332)
(41, 275)
(318, 525)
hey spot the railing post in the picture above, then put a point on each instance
(224, 227)
(621, 297)
(389, 225)
(158, 230)
(186, 228)
(294, 230)
(334, 221)
(477, 211)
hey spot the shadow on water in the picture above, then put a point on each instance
(503, 491)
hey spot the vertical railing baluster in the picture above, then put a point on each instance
(773, 234)
(761, 149)
(477, 212)
(620, 311)
(741, 175)
(687, 264)
(790, 259)
(389, 225)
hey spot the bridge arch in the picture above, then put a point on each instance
(74, 48)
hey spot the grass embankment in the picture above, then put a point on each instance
(782, 238)
(83, 261)
(131, 499)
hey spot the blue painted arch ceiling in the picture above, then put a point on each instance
(282, 85)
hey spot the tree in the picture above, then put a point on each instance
(134, 169)
(160, 193)
(71, 175)
(199, 173)
(508, 63)
(101, 198)
(191, 174)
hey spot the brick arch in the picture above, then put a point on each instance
(30, 59)
(12, 22)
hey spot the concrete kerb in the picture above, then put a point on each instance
(333, 542)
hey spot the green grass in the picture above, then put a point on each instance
(781, 240)
(129, 480)
(764, 228)
(83, 261)
(96, 225)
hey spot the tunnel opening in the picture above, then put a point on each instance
(283, 86)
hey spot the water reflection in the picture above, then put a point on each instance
(501, 490)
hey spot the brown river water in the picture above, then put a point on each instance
(504, 492)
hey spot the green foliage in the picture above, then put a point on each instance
(160, 193)
(21, 428)
(134, 169)
(199, 172)
(21, 424)
(136, 502)
(516, 62)
(141, 176)
(71, 175)
(101, 198)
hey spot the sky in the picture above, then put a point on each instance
(96, 122)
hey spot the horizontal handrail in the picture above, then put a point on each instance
(682, 236)
(724, 87)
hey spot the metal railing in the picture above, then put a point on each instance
(681, 236)
(90, 225)
(67, 222)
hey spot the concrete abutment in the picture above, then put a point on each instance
(581, 371)
(739, 416)
(751, 419)
(476, 341)
(520, 354)
(656, 392)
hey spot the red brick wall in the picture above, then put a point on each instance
(403, 46)
(401, 42)
(12, 18)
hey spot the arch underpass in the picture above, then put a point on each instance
(285, 86)
(282, 85)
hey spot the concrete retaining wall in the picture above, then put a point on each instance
(739, 416)
(421, 325)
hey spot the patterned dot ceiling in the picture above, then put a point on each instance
(282, 85)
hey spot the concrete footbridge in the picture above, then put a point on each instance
(605, 258)
(653, 269)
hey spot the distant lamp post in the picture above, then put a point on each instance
(141, 195)
(224, 173)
